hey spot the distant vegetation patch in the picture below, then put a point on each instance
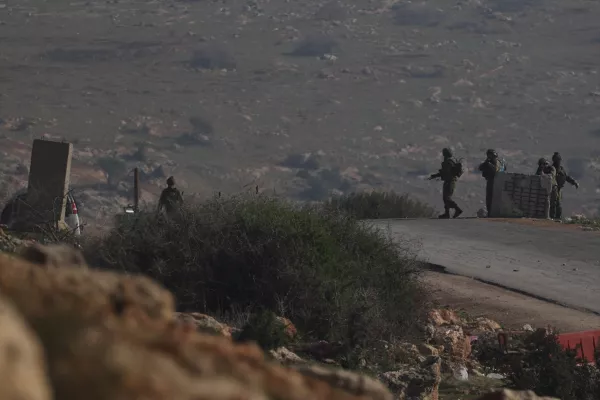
(80, 55)
(303, 161)
(314, 46)
(213, 57)
(406, 14)
(377, 205)
(202, 125)
(332, 11)
(509, 6)
(115, 168)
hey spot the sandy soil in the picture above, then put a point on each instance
(510, 309)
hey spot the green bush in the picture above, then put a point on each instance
(592, 224)
(265, 329)
(376, 205)
(545, 367)
(317, 266)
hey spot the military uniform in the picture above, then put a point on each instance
(545, 168)
(561, 178)
(448, 175)
(170, 198)
(488, 169)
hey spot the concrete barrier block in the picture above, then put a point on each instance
(49, 174)
(520, 195)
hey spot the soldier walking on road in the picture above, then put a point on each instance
(170, 198)
(561, 178)
(449, 173)
(489, 168)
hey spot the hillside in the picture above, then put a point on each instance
(300, 98)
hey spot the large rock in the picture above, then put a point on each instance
(356, 385)
(457, 345)
(285, 356)
(205, 323)
(421, 382)
(53, 255)
(22, 366)
(38, 291)
(481, 325)
(444, 316)
(506, 394)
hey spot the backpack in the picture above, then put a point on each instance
(457, 168)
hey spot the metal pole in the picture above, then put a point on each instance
(136, 189)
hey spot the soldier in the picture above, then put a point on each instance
(541, 163)
(545, 168)
(170, 198)
(489, 168)
(449, 173)
(561, 178)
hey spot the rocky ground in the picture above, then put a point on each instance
(303, 99)
(69, 331)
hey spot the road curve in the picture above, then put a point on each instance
(560, 265)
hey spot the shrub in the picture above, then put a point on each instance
(265, 329)
(315, 46)
(548, 369)
(407, 14)
(592, 224)
(202, 125)
(114, 167)
(317, 266)
(331, 11)
(213, 57)
(296, 160)
(375, 205)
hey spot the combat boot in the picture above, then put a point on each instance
(445, 215)
(457, 212)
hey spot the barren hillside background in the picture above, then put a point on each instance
(304, 99)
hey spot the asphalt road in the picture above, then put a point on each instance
(560, 265)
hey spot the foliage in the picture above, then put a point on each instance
(265, 329)
(318, 266)
(114, 167)
(592, 224)
(375, 205)
(542, 365)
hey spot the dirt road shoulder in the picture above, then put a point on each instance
(512, 310)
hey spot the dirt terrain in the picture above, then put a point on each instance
(512, 310)
(303, 99)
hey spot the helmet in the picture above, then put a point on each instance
(447, 152)
(491, 152)
(556, 157)
(171, 181)
(542, 161)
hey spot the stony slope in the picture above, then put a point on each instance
(373, 90)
